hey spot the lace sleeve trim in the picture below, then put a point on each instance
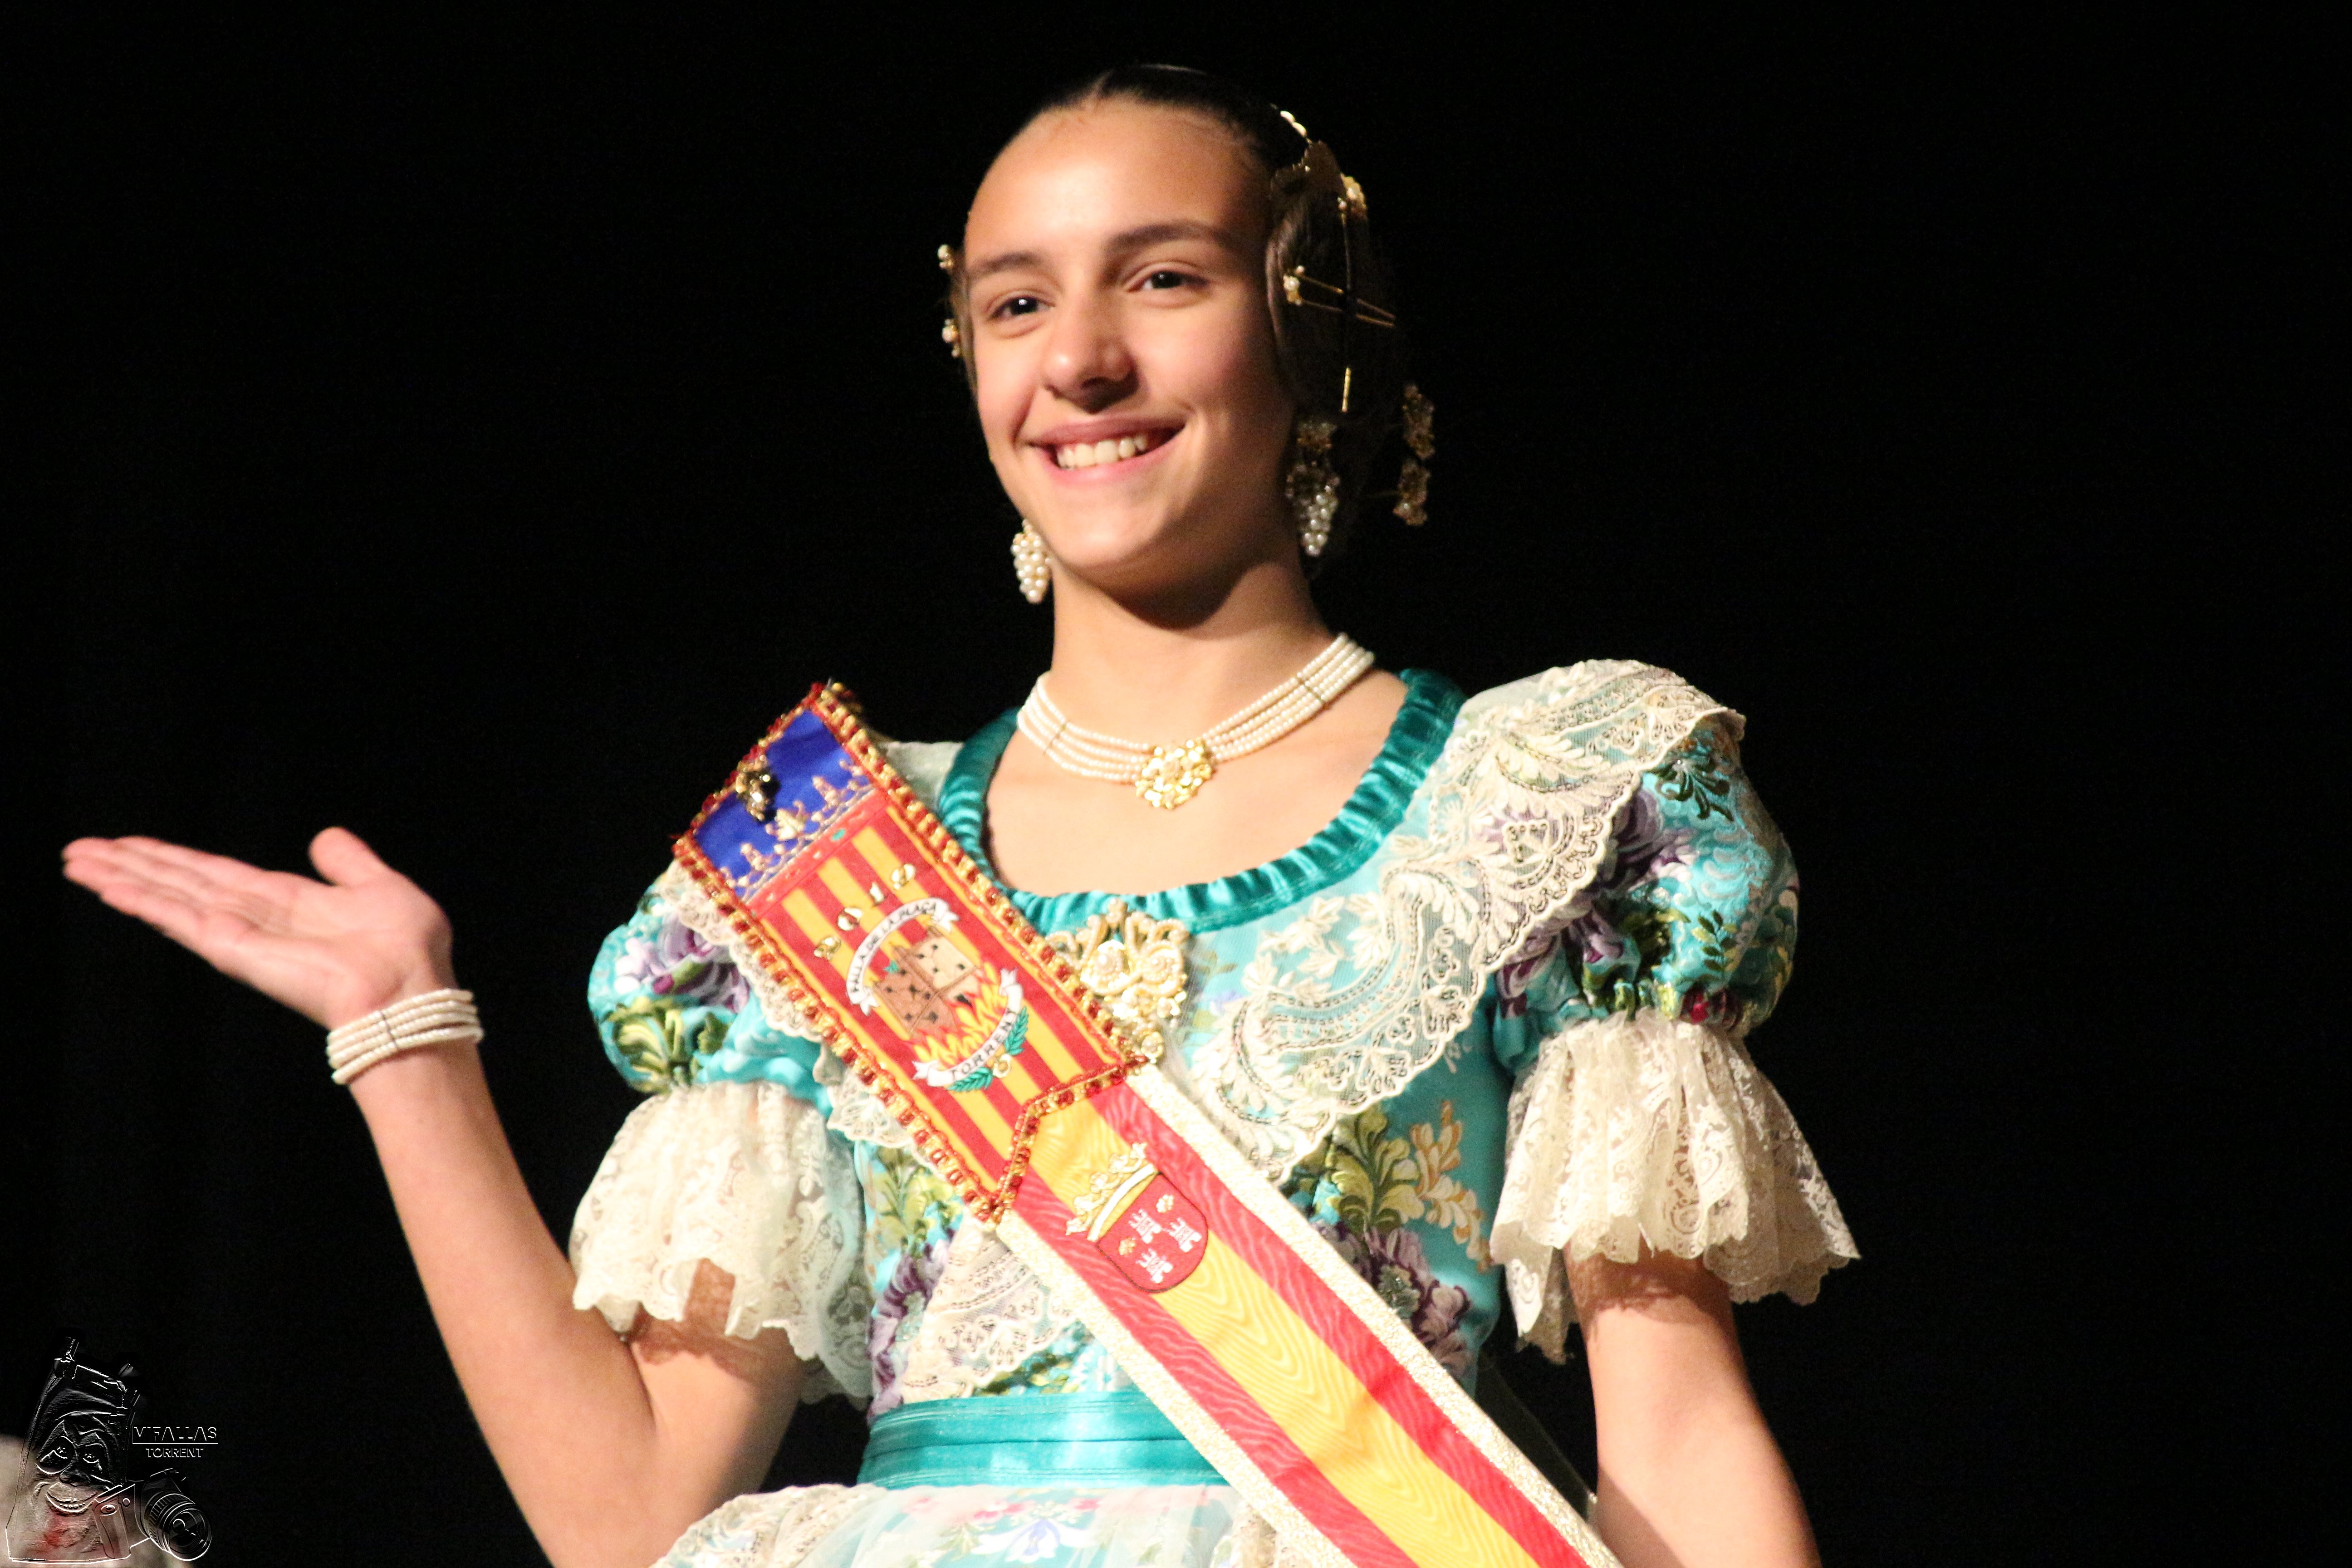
(1637, 1129)
(741, 1175)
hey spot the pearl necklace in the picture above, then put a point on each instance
(1169, 775)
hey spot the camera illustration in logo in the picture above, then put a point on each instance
(74, 1501)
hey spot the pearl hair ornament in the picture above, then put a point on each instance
(433, 1018)
(949, 333)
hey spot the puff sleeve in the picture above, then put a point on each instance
(1639, 1116)
(729, 1162)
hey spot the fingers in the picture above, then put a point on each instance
(366, 895)
(168, 912)
(121, 883)
(175, 865)
(343, 857)
(208, 903)
(100, 864)
(203, 880)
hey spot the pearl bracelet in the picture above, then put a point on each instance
(434, 1018)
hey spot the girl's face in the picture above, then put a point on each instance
(1115, 259)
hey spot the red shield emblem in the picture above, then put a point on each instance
(1157, 1242)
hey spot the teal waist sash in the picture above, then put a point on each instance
(1116, 1440)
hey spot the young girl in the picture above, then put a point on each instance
(1467, 979)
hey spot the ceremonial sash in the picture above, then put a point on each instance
(1050, 1121)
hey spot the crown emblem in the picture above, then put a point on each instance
(1093, 1210)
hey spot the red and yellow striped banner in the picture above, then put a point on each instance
(1305, 1390)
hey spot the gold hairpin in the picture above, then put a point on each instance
(1296, 281)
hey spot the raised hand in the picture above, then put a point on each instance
(331, 949)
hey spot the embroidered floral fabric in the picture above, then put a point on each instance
(1493, 907)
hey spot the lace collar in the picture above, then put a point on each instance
(1415, 739)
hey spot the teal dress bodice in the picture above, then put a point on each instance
(1494, 1013)
(1689, 913)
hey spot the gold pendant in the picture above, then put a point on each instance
(1174, 775)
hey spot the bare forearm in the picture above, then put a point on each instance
(1690, 1476)
(1719, 1493)
(561, 1401)
(611, 1448)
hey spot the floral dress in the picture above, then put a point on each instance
(1495, 1009)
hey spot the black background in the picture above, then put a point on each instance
(474, 433)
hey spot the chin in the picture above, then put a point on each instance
(1115, 544)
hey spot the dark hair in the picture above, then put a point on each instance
(1328, 291)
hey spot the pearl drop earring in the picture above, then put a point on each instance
(1031, 564)
(1310, 485)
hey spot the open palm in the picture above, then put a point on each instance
(331, 949)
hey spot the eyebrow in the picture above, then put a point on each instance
(1126, 240)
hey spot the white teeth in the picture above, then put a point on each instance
(1091, 454)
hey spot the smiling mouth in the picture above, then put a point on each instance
(1099, 454)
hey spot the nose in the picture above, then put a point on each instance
(1087, 363)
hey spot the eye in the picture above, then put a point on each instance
(1017, 305)
(1167, 278)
